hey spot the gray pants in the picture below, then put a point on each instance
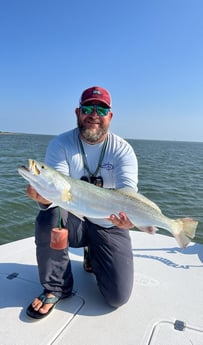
(110, 254)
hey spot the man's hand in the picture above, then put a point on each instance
(123, 222)
(32, 193)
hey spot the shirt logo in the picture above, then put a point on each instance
(107, 166)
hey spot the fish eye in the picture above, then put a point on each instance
(43, 167)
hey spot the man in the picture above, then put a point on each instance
(91, 153)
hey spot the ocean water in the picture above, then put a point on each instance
(170, 174)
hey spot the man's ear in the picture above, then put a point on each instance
(77, 111)
(111, 114)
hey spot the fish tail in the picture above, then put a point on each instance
(185, 231)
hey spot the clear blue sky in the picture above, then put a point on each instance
(148, 53)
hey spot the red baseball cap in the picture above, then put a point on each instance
(96, 93)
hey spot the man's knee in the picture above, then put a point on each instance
(118, 297)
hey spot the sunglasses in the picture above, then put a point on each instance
(96, 180)
(89, 109)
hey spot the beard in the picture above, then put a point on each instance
(92, 135)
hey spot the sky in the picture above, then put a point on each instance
(147, 53)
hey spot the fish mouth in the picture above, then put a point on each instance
(32, 168)
(24, 168)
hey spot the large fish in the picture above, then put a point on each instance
(86, 200)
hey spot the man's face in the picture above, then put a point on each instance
(92, 126)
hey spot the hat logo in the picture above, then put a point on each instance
(97, 92)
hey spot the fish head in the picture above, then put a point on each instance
(41, 170)
(46, 180)
(33, 170)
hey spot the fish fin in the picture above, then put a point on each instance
(133, 194)
(66, 195)
(74, 213)
(187, 228)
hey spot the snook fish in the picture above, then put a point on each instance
(86, 200)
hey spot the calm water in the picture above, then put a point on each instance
(170, 173)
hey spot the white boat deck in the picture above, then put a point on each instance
(166, 306)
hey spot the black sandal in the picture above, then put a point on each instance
(35, 314)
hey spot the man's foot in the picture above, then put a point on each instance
(42, 305)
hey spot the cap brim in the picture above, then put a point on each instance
(95, 99)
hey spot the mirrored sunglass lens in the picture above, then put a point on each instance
(102, 111)
(87, 109)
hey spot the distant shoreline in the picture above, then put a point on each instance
(13, 133)
(6, 133)
(129, 139)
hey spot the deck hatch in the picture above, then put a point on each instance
(176, 333)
